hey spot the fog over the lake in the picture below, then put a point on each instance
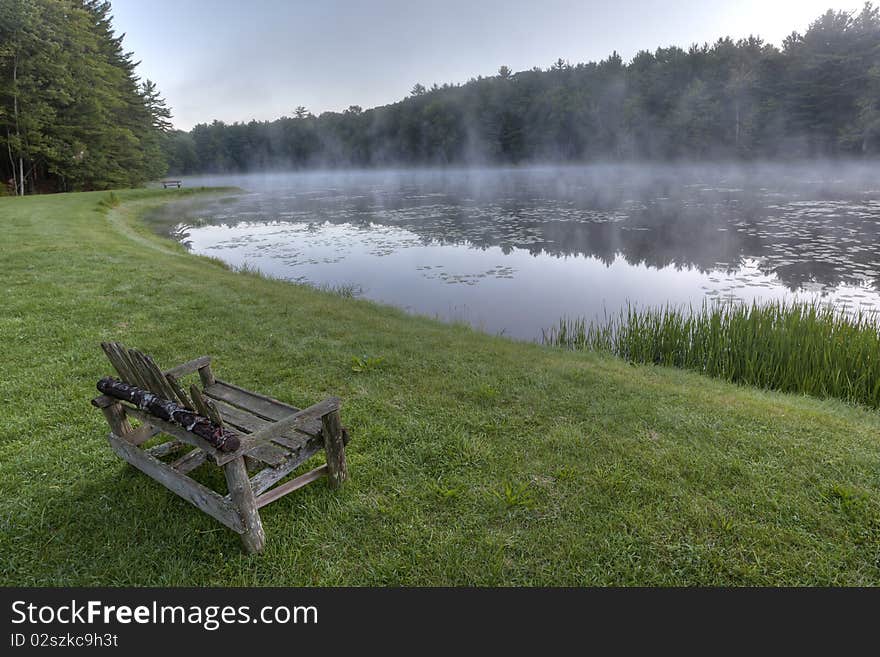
(511, 250)
(649, 169)
(817, 95)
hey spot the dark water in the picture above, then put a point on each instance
(512, 251)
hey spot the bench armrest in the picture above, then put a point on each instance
(189, 367)
(296, 420)
(104, 401)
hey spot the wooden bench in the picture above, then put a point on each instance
(257, 441)
(171, 183)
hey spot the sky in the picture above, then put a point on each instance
(237, 60)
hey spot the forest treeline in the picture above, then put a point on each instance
(73, 113)
(818, 95)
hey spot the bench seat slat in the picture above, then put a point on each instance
(268, 453)
(262, 406)
(248, 423)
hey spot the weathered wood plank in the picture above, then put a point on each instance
(166, 448)
(198, 400)
(171, 412)
(190, 461)
(239, 419)
(261, 405)
(247, 422)
(113, 352)
(140, 361)
(213, 413)
(293, 440)
(205, 406)
(103, 401)
(141, 372)
(290, 486)
(268, 477)
(115, 416)
(179, 391)
(218, 457)
(148, 369)
(173, 430)
(131, 364)
(269, 454)
(108, 352)
(206, 375)
(189, 367)
(161, 381)
(298, 420)
(142, 434)
(242, 495)
(192, 491)
(334, 447)
(134, 367)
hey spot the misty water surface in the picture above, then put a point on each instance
(512, 250)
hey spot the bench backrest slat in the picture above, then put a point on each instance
(118, 357)
(139, 370)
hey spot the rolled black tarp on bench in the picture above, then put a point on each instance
(167, 410)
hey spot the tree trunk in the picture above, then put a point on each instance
(11, 160)
(20, 187)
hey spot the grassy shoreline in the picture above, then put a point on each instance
(474, 459)
(804, 348)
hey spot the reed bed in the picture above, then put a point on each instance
(806, 348)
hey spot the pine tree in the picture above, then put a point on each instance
(73, 113)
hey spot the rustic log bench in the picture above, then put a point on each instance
(257, 441)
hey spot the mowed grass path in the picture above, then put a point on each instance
(474, 459)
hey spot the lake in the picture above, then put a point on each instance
(510, 251)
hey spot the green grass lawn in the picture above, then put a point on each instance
(474, 459)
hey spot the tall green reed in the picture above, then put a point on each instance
(807, 348)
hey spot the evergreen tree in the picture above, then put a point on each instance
(73, 113)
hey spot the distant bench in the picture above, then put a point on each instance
(171, 183)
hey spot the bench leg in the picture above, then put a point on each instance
(334, 446)
(243, 499)
(116, 418)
